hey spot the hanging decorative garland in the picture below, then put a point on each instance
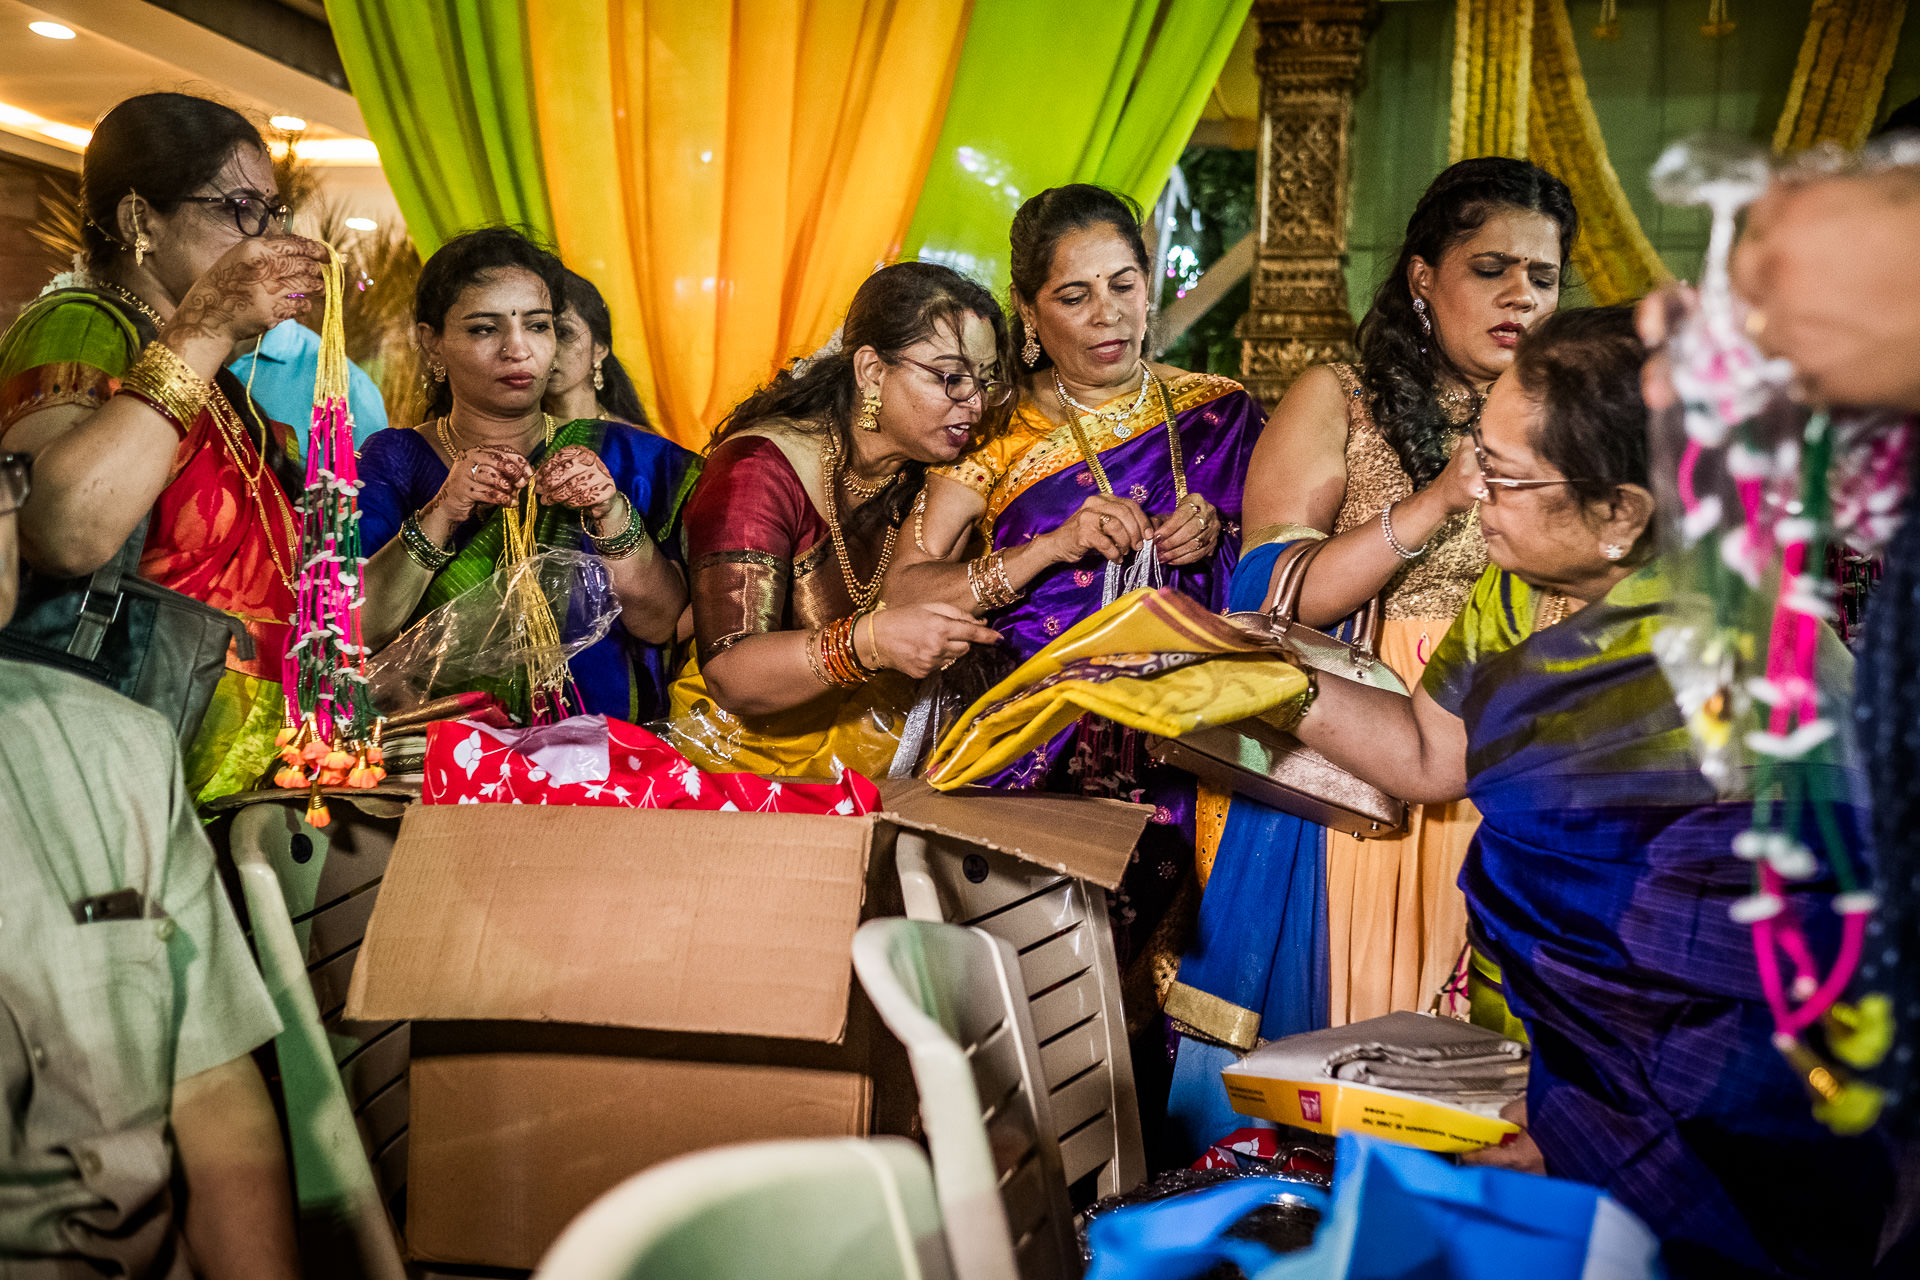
(1760, 486)
(332, 734)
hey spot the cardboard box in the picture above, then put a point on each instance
(1286, 1082)
(597, 990)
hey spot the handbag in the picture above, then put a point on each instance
(163, 649)
(1268, 765)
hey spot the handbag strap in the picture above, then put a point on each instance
(1283, 610)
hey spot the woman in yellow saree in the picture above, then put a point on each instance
(797, 671)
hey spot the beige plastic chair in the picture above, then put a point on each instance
(818, 1209)
(1058, 926)
(308, 894)
(954, 997)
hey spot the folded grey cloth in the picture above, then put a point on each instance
(1455, 1068)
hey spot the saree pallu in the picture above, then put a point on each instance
(222, 530)
(1258, 960)
(1600, 882)
(762, 562)
(1032, 479)
(618, 675)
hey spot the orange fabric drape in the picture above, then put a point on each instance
(728, 174)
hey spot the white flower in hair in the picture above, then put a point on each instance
(829, 348)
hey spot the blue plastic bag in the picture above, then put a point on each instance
(1404, 1214)
(1184, 1235)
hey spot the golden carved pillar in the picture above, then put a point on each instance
(1308, 60)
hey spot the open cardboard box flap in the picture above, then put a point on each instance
(728, 923)
(1081, 836)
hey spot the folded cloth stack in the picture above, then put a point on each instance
(1433, 1069)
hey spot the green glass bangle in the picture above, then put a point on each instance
(622, 544)
(420, 548)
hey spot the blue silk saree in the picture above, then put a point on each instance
(1600, 882)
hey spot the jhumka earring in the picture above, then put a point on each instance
(599, 378)
(1420, 309)
(870, 412)
(436, 371)
(1030, 350)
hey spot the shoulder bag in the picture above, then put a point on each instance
(1256, 760)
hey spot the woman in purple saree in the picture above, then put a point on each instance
(1114, 474)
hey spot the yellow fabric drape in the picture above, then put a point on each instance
(729, 174)
(1844, 59)
(1518, 91)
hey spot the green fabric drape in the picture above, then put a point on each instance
(447, 93)
(1056, 91)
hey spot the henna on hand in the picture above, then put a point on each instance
(256, 285)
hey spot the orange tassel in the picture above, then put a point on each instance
(290, 756)
(314, 752)
(285, 735)
(317, 815)
(290, 777)
(337, 759)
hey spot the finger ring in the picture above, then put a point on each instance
(1103, 521)
(474, 471)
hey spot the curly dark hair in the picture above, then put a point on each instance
(897, 306)
(619, 395)
(1050, 217)
(1400, 368)
(467, 259)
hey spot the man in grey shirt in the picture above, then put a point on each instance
(136, 1135)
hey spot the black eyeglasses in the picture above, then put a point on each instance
(16, 481)
(251, 214)
(964, 386)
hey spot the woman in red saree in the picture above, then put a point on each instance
(115, 382)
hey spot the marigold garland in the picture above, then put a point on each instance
(1840, 74)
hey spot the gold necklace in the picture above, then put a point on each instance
(863, 595)
(226, 420)
(445, 428)
(136, 301)
(866, 491)
(1173, 446)
(1549, 612)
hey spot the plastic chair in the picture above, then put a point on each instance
(342, 1105)
(1058, 926)
(954, 997)
(818, 1209)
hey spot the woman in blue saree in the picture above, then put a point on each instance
(1114, 472)
(1602, 876)
(431, 506)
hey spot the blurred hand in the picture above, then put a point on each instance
(919, 639)
(1188, 533)
(1520, 1154)
(1112, 527)
(1458, 487)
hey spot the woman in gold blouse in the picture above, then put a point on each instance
(1374, 458)
(798, 671)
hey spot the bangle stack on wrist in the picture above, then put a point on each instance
(622, 544)
(1386, 527)
(831, 653)
(163, 381)
(421, 549)
(987, 578)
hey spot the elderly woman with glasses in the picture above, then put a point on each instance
(115, 382)
(1603, 878)
(798, 672)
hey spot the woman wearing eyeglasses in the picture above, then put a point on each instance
(115, 382)
(798, 671)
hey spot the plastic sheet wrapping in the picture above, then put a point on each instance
(479, 639)
(1284, 1223)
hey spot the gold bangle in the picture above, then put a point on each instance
(164, 380)
(813, 658)
(1298, 712)
(997, 580)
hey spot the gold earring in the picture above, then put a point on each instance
(141, 247)
(1030, 350)
(436, 371)
(870, 412)
(599, 378)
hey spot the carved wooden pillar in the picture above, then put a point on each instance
(1308, 61)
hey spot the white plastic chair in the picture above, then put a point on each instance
(1058, 927)
(954, 997)
(345, 1227)
(816, 1209)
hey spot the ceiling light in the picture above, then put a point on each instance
(363, 224)
(341, 151)
(291, 124)
(15, 120)
(51, 30)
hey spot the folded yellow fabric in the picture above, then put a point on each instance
(1153, 660)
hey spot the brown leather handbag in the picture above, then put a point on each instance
(1256, 760)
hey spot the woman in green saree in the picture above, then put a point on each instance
(435, 496)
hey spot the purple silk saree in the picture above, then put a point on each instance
(1033, 478)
